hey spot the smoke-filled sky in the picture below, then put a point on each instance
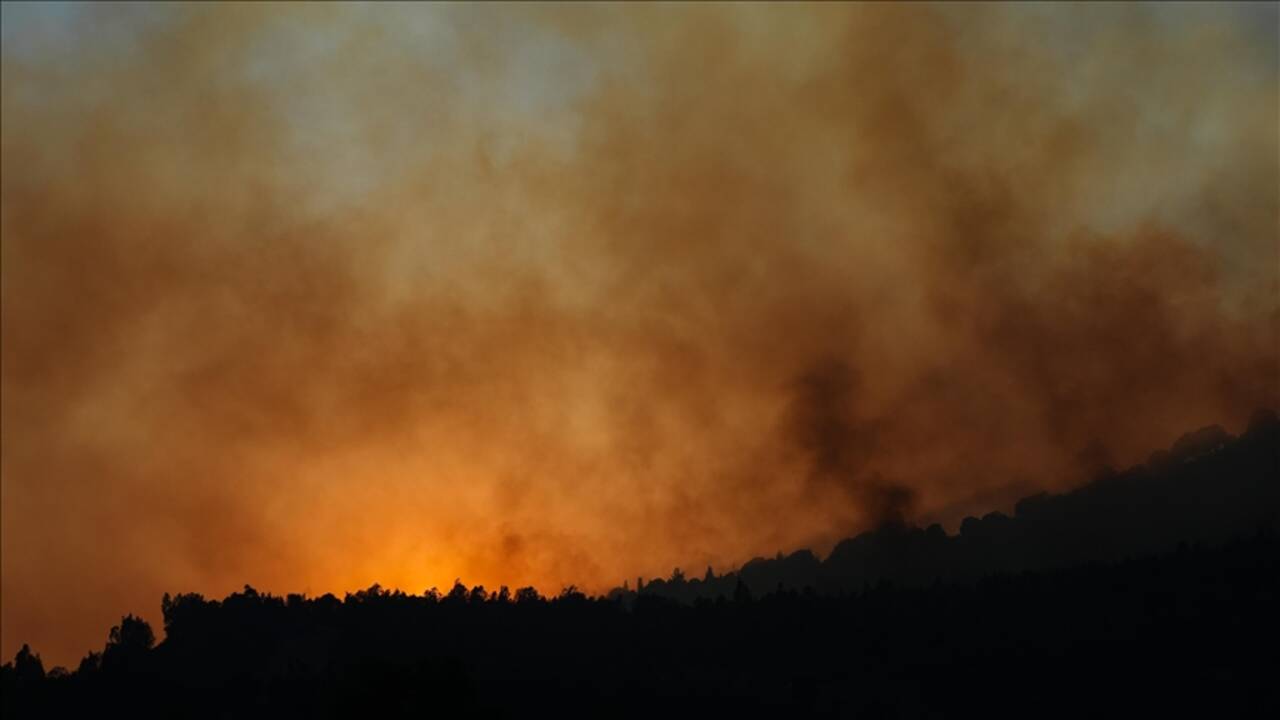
(312, 297)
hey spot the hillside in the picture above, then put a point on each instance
(1153, 591)
(1207, 488)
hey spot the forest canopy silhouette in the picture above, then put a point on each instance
(1172, 566)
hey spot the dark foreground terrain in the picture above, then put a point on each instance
(1151, 591)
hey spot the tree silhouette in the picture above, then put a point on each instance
(27, 667)
(127, 644)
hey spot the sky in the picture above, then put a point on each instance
(311, 297)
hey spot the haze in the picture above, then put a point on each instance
(317, 296)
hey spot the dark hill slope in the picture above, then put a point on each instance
(1208, 488)
(1188, 629)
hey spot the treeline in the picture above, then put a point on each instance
(1208, 487)
(1190, 628)
(1194, 630)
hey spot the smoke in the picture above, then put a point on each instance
(840, 447)
(316, 297)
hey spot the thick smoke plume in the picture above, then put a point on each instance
(317, 297)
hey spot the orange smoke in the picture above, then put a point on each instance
(317, 297)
